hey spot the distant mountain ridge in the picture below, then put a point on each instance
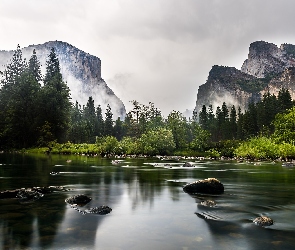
(80, 70)
(267, 68)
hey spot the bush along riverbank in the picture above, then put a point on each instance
(255, 149)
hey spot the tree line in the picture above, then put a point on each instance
(36, 111)
(33, 109)
(231, 124)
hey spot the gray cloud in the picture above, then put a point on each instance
(158, 51)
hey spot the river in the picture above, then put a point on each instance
(149, 208)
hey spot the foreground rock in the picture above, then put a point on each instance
(25, 193)
(206, 186)
(78, 200)
(263, 221)
(102, 210)
(208, 203)
(28, 195)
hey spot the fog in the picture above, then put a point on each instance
(158, 51)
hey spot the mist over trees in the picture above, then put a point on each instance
(36, 111)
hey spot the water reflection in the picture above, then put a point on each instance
(150, 210)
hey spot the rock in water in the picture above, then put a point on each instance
(206, 186)
(102, 210)
(208, 203)
(79, 200)
(263, 221)
(28, 195)
(187, 165)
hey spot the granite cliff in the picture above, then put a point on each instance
(268, 68)
(80, 70)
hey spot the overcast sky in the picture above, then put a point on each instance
(152, 50)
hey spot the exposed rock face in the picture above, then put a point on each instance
(265, 58)
(80, 70)
(224, 85)
(268, 68)
(286, 80)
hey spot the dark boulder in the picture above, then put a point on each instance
(206, 186)
(79, 200)
(28, 195)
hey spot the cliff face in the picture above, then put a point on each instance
(268, 68)
(225, 84)
(80, 70)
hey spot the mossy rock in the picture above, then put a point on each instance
(79, 200)
(206, 186)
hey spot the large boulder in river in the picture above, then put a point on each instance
(206, 186)
(78, 200)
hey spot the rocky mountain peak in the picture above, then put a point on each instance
(268, 68)
(265, 58)
(80, 70)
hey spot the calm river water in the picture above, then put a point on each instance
(149, 208)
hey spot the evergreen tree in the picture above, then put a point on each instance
(233, 123)
(91, 121)
(55, 98)
(52, 69)
(240, 134)
(14, 69)
(118, 130)
(99, 130)
(225, 112)
(108, 124)
(77, 128)
(284, 100)
(203, 118)
(249, 126)
(18, 104)
(34, 67)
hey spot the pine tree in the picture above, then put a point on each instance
(233, 123)
(90, 119)
(14, 69)
(284, 100)
(18, 104)
(52, 69)
(203, 118)
(108, 124)
(34, 67)
(240, 132)
(99, 130)
(118, 129)
(55, 99)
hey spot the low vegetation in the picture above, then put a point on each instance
(36, 112)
